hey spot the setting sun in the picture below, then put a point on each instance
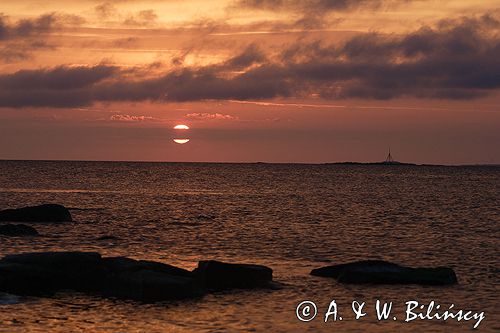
(249, 165)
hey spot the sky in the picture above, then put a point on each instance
(305, 81)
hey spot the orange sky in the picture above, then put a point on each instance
(256, 80)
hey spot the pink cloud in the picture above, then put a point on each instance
(126, 117)
(210, 116)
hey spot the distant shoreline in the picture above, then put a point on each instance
(270, 163)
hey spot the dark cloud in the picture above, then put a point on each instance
(26, 27)
(10, 54)
(59, 87)
(143, 18)
(125, 42)
(192, 85)
(35, 26)
(58, 78)
(250, 56)
(311, 5)
(13, 51)
(314, 12)
(453, 60)
(19, 39)
(105, 10)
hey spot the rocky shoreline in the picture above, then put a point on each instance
(45, 273)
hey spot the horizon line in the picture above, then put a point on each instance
(256, 162)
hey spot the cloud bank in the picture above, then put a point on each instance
(455, 59)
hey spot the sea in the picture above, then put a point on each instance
(290, 217)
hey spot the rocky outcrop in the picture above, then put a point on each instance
(107, 237)
(17, 230)
(48, 272)
(123, 264)
(383, 272)
(42, 213)
(150, 285)
(147, 280)
(219, 275)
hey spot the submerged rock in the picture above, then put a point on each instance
(17, 230)
(219, 275)
(383, 272)
(42, 213)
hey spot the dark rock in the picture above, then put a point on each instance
(42, 213)
(150, 286)
(219, 275)
(367, 265)
(82, 271)
(165, 268)
(125, 265)
(205, 217)
(27, 280)
(148, 280)
(48, 272)
(17, 230)
(107, 237)
(119, 264)
(54, 260)
(382, 272)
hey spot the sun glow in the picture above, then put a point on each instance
(181, 141)
(183, 127)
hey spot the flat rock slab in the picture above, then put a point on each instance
(125, 265)
(219, 275)
(383, 272)
(17, 230)
(47, 272)
(54, 259)
(43, 213)
(107, 237)
(150, 286)
(42, 273)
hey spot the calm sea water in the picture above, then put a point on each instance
(290, 217)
